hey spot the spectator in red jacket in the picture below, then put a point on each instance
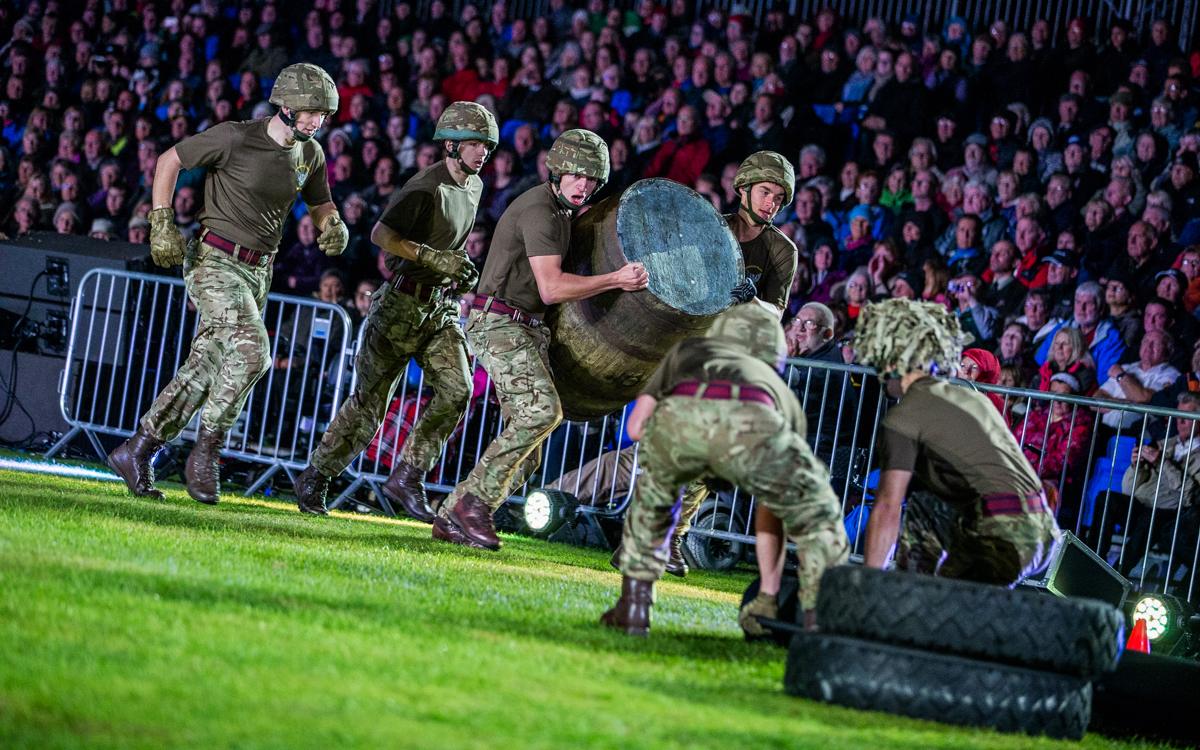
(683, 157)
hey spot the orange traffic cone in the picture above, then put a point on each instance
(1138, 640)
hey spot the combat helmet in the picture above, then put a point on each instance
(754, 329)
(467, 121)
(765, 166)
(899, 336)
(578, 151)
(303, 87)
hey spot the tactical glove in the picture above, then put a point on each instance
(763, 605)
(333, 240)
(166, 242)
(745, 291)
(467, 280)
(446, 262)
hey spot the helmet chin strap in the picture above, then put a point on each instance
(745, 206)
(453, 151)
(556, 182)
(289, 118)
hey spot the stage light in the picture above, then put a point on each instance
(1154, 611)
(547, 510)
(1170, 626)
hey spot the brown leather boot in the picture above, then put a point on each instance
(631, 613)
(132, 461)
(470, 522)
(203, 469)
(311, 487)
(676, 565)
(404, 487)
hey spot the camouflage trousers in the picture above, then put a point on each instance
(230, 352)
(959, 542)
(609, 478)
(750, 445)
(517, 360)
(400, 328)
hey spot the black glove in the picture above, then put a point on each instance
(745, 291)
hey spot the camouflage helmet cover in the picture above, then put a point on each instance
(753, 329)
(767, 166)
(305, 87)
(579, 151)
(899, 336)
(467, 121)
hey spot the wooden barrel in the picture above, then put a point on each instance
(606, 347)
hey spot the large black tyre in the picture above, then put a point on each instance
(1080, 637)
(950, 689)
(711, 552)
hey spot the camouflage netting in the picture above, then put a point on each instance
(305, 87)
(579, 151)
(754, 329)
(899, 336)
(767, 166)
(467, 121)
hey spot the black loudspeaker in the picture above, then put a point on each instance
(1077, 571)
(64, 260)
(37, 378)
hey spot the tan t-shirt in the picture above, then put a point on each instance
(708, 360)
(432, 209)
(252, 181)
(955, 443)
(770, 260)
(533, 224)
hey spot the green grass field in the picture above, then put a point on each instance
(128, 624)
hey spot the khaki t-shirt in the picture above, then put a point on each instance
(533, 224)
(770, 260)
(707, 360)
(252, 181)
(956, 444)
(432, 209)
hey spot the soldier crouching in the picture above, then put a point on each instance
(716, 406)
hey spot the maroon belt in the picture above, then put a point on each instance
(496, 307)
(723, 390)
(423, 292)
(1005, 504)
(241, 252)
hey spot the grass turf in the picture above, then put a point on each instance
(126, 623)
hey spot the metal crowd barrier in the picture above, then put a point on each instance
(565, 454)
(130, 332)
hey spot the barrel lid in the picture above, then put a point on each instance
(689, 252)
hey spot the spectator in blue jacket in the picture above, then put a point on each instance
(1102, 337)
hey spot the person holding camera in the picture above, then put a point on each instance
(977, 319)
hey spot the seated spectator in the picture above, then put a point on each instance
(856, 248)
(977, 319)
(981, 366)
(1137, 382)
(298, 269)
(1013, 351)
(1122, 309)
(1163, 479)
(1104, 340)
(854, 294)
(1055, 436)
(683, 157)
(826, 277)
(1001, 289)
(1068, 354)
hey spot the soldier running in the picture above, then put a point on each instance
(977, 510)
(256, 170)
(717, 406)
(415, 315)
(522, 275)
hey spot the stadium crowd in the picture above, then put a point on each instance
(1042, 186)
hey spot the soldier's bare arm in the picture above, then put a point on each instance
(390, 242)
(556, 285)
(884, 526)
(643, 408)
(166, 173)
